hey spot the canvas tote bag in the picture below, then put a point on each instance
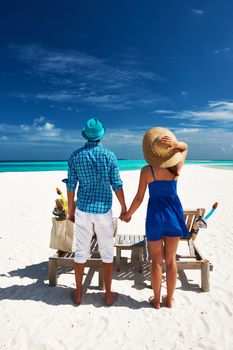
(62, 235)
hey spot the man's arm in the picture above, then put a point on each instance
(71, 205)
(121, 198)
(71, 186)
(116, 184)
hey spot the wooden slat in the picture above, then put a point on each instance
(129, 240)
(190, 222)
(187, 265)
(191, 247)
(197, 252)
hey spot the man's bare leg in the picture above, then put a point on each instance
(110, 297)
(79, 270)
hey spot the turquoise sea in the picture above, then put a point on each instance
(124, 165)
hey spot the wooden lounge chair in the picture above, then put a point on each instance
(130, 242)
(193, 259)
(64, 259)
(188, 255)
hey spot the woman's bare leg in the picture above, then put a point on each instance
(156, 250)
(171, 244)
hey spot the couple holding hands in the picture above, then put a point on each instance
(96, 171)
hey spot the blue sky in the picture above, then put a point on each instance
(131, 64)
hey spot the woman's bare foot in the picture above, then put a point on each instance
(76, 297)
(153, 302)
(169, 302)
(110, 298)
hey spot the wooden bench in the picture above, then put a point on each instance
(63, 259)
(130, 242)
(190, 259)
(194, 260)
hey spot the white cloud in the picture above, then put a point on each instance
(163, 111)
(109, 101)
(39, 130)
(56, 97)
(204, 143)
(187, 130)
(48, 126)
(194, 125)
(222, 51)
(217, 111)
(198, 12)
(83, 65)
(39, 120)
(79, 78)
(207, 143)
(11, 129)
(25, 127)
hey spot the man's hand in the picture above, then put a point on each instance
(123, 210)
(125, 217)
(71, 216)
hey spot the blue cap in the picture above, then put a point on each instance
(93, 130)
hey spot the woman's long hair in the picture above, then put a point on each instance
(173, 170)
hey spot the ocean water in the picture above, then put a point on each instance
(124, 165)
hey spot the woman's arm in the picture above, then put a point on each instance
(182, 146)
(139, 196)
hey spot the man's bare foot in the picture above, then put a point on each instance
(153, 302)
(76, 297)
(169, 302)
(110, 298)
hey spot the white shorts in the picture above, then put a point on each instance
(86, 224)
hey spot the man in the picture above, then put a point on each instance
(97, 172)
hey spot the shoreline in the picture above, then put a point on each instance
(8, 169)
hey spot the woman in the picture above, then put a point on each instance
(165, 219)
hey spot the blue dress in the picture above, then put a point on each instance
(165, 216)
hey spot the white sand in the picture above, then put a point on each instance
(36, 316)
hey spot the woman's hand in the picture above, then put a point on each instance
(167, 140)
(125, 217)
(172, 144)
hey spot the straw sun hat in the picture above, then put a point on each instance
(158, 154)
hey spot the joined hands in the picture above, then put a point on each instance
(125, 217)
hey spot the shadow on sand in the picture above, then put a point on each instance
(39, 289)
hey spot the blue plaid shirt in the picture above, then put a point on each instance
(96, 170)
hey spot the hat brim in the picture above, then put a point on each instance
(151, 158)
(94, 137)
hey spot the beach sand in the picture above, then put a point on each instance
(35, 316)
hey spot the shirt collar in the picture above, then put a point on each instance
(92, 144)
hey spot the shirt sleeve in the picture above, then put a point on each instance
(115, 178)
(72, 175)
